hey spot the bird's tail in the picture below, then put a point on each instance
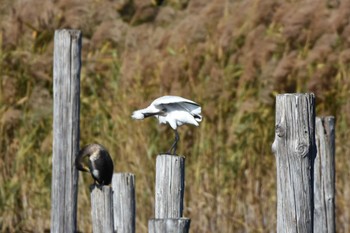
(197, 114)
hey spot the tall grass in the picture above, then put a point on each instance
(232, 57)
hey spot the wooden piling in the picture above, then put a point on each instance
(169, 225)
(102, 209)
(294, 148)
(324, 176)
(170, 186)
(169, 194)
(66, 106)
(124, 205)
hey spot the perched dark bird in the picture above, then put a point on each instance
(94, 158)
(172, 110)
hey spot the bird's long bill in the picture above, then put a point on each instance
(151, 114)
(141, 114)
(81, 162)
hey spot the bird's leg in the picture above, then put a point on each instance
(98, 184)
(174, 146)
(177, 137)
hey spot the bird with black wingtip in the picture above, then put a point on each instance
(172, 110)
(94, 158)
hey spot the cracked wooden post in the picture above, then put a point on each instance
(102, 209)
(169, 194)
(295, 150)
(324, 176)
(170, 186)
(169, 225)
(124, 205)
(66, 107)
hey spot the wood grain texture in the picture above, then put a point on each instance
(124, 205)
(66, 92)
(180, 225)
(102, 209)
(170, 185)
(295, 150)
(324, 176)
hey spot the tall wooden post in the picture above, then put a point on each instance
(66, 91)
(169, 194)
(124, 205)
(170, 186)
(102, 209)
(169, 225)
(324, 174)
(294, 148)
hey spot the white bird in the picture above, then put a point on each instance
(173, 110)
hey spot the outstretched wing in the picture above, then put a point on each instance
(193, 109)
(171, 99)
(169, 103)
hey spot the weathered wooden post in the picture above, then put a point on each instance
(102, 209)
(169, 194)
(123, 185)
(170, 186)
(324, 176)
(169, 225)
(295, 150)
(66, 91)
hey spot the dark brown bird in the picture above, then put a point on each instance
(94, 158)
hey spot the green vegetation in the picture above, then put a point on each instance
(232, 57)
